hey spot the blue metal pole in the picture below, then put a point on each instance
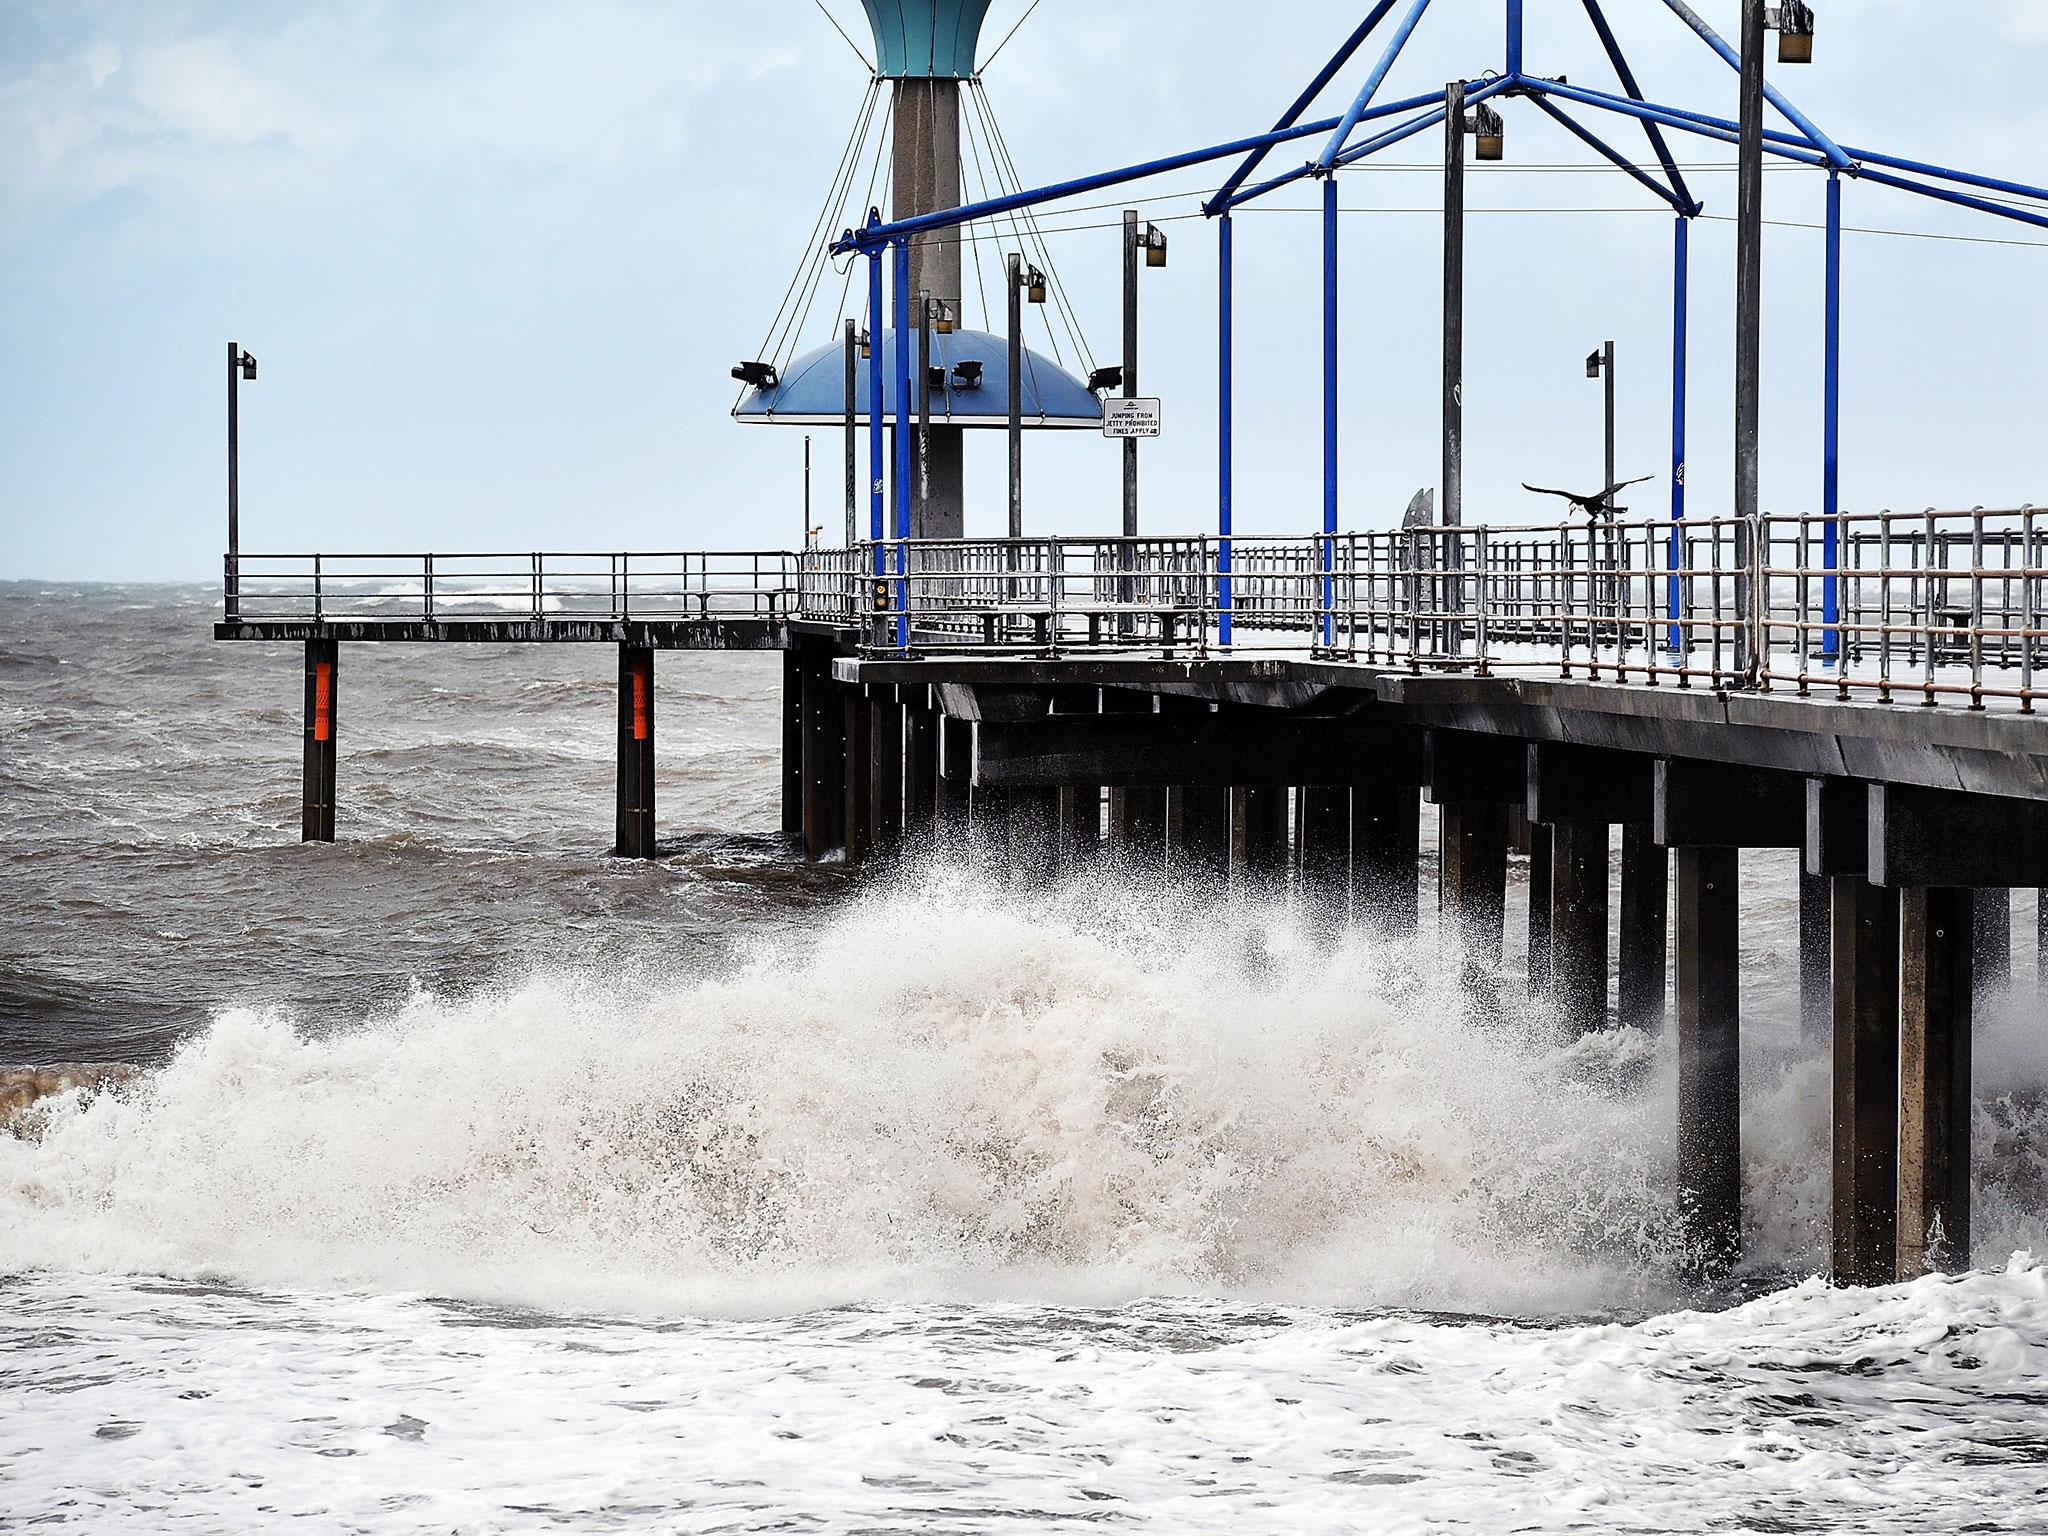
(1224, 406)
(1372, 84)
(1831, 430)
(876, 464)
(1514, 38)
(1681, 235)
(1329, 551)
(1302, 103)
(905, 323)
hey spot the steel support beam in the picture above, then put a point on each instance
(792, 746)
(824, 757)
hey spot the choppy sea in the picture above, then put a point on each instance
(478, 1182)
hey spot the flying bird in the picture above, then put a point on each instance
(1599, 504)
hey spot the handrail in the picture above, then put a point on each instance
(1926, 607)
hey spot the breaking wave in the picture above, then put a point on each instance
(947, 1091)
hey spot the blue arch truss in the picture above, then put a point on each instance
(1369, 125)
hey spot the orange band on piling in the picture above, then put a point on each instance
(323, 700)
(641, 684)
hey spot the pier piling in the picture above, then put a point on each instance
(1935, 998)
(1542, 857)
(885, 769)
(920, 765)
(858, 746)
(1259, 845)
(1386, 850)
(792, 747)
(1578, 923)
(1645, 930)
(824, 756)
(1866, 1082)
(323, 677)
(1323, 844)
(1709, 1022)
(1992, 922)
(635, 817)
(955, 792)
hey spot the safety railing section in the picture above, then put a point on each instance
(1923, 607)
(410, 588)
(1927, 607)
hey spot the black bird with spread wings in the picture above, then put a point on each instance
(1599, 504)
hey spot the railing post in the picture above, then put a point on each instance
(536, 586)
(427, 586)
(316, 589)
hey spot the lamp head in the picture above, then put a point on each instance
(759, 375)
(1153, 241)
(1106, 379)
(1490, 131)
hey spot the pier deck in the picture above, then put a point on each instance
(1274, 711)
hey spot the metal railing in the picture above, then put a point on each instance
(410, 588)
(1923, 607)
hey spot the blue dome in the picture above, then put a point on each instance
(812, 392)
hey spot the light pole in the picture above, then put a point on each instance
(241, 365)
(1601, 364)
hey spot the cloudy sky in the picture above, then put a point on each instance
(497, 259)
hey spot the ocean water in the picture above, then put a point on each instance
(477, 1182)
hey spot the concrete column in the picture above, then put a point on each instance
(1709, 1055)
(1204, 849)
(1260, 843)
(1386, 846)
(956, 742)
(860, 820)
(926, 180)
(1031, 833)
(885, 770)
(1323, 837)
(323, 682)
(1578, 923)
(1645, 915)
(1542, 870)
(1080, 826)
(1816, 954)
(635, 818)
(824, 757)
(1992, 961)
(1866, 1082)
(1935, 994)
(792, 747)
(1473, 880)
(920, 768)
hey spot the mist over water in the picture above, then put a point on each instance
(470, 1163)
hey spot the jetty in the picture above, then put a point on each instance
(1270, 712)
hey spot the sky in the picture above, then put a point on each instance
(497, 261)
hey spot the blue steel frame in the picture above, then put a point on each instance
(1225, 406)
(1807, 146)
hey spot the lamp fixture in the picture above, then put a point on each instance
(1152, 241)
(1034, 285)
(759, 375)
(1106, 379)
(967, 374)
(1490, 133)
(1794, 23)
